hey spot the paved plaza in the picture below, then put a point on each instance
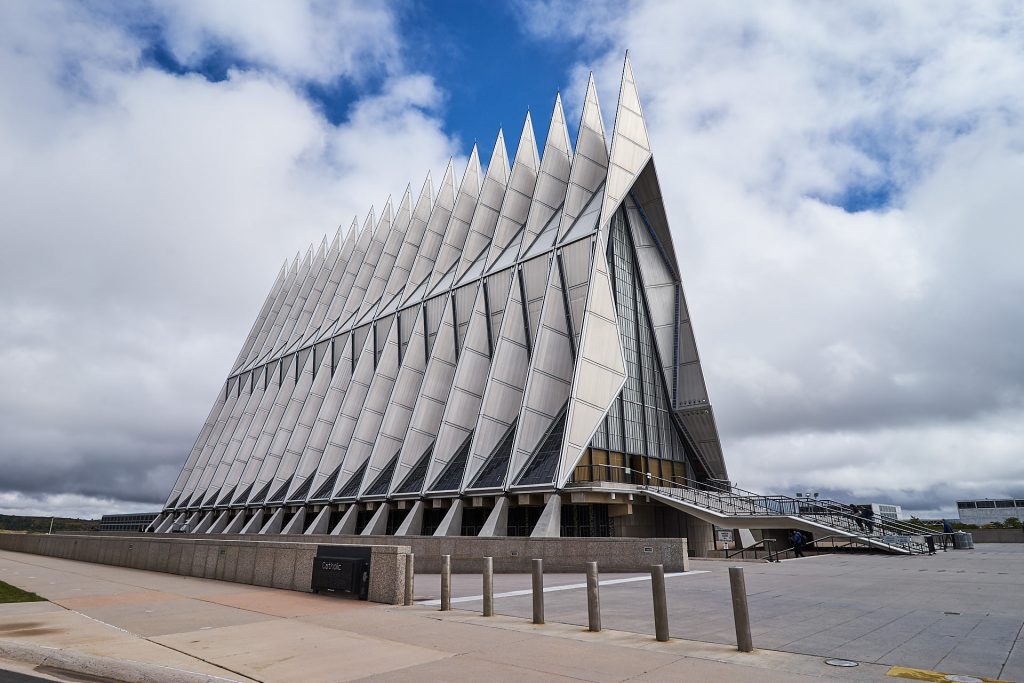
(959, 612)
(955, 611)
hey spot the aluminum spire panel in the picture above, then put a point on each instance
(197, 447)
(261, 318)
(433, 234)
(547, 390)
(279, 463)
(234, 455)
(268, 380)
(322, 266)
(487, 209)
(589, 163)
(309, 267)
(330, 289)
(549, 193)
(220, 460)
(342, 363)
(260, 347)
(503, 396)
(341, 300)
(415, 416)
(462, 408)
(400, 274)
(362, 373)
(386, 263)
(284, 315)
(600, 368)
(515, 206)
(631, 148)
(367, 426)
(433, 334)
(357, 290)
(286, 378)
(458, 226)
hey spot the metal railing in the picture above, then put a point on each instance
(729, 500)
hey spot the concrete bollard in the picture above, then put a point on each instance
(538, 591)
(660, 602)
(410, 579)
(740, 614)
(446, 583)
(593, 598)
(488, 587)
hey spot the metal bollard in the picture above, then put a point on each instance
(660, 602)
(488, 587)
(410, 579)
(593, 598)
(538, 591)
(740, 614)
(446, 583)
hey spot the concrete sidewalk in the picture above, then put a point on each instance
(185, 629)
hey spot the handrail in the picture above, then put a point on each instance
(762, 542)
(735, 501)
(849, 541)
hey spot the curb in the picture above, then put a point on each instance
(123, 670)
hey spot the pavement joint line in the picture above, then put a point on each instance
(51, 648)
(565, 587)
(1013, 646)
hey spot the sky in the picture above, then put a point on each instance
(843, 182)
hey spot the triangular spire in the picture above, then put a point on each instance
(433, 233)
(473, 176)
(488, 207)
(589, 164)
(516, 204)
(631, 148)
(549, 192)
(446, 256)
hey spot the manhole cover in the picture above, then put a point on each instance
(962, 679)
(840, 662)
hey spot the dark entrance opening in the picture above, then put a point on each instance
(395, 519)
(473, 520)
(586, 521)
(432, 518)
(521, 520)
(363, 518)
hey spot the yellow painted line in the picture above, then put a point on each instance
(937, 676)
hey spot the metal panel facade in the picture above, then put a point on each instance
(478, 341)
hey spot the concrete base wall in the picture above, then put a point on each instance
(279, 563)
(996, 535)
(512, 554)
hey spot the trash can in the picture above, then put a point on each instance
(341, 569)
(970, 541)
(962, 541)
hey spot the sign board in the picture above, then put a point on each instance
(724, 535)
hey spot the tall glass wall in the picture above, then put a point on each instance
(639, 422)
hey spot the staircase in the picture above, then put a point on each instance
(725, 505)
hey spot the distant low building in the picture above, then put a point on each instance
(884, 510)
(134, 522)
(988, 510)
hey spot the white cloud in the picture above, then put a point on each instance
(145, 215)
(315, 40)
(842, 350)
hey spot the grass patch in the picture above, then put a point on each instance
(9, 593)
